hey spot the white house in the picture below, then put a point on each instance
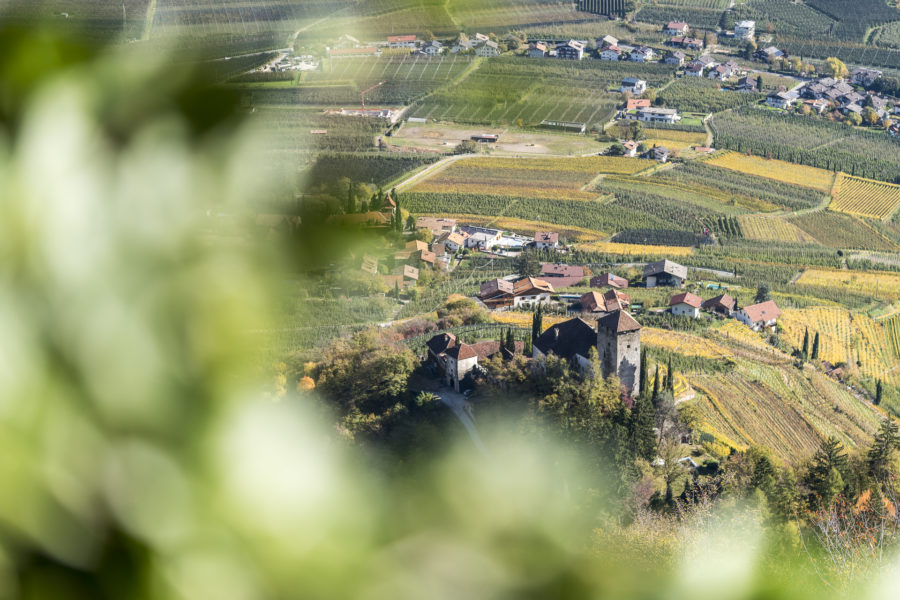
(685, 304)
(633, 85)
(675, 28)
(546, 240)
(487, 49)
(610, 53)
(652, 114)
(759, 316)
(781, 99)
(432, 48)
(641, 54)
(745, 30)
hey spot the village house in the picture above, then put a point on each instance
(438, 226)
(546, 240)
(675, 58)
(664, 273)
(694, 69)
(562, 275)
(722, 305)
(370, 265)
(502, 293)
(610, 53)
(655, 115)
(416, 246)
(454, 241)
(759, 316)
(636, 103)
(487, 49)
(426, 257)
(745, 30)
(432, 48)
(462, 44)
(660, 153)
(410, 273)
(609, 301)
(676, 28)
(723, 71)
(481, 238)
(747, 84)
(607, 40)
(633, 85)
(781, 100)
(818, 105)
(631, 148)
(864, 77)
(685, 304)
(617, 340)
(609, 280)
(688, 43)
(768, 54)
(402, 41)
(571, 50)
(641, 54)
(537, 50)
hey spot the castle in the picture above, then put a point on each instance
(617, 339)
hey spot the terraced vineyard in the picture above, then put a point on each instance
(673, 139)
(892, 329)
(881, 285)
(635, 249)
(865, 197)
(844, 337)
(811, 177)
(683, 343)
(772, 229)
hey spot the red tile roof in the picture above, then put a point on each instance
(686, 298)
(610, 280)
(401, 38)
(762, 312)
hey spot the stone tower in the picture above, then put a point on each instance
(619, 348)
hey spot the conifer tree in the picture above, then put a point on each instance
(886, 441)
(806, 344)
(878, 392)
(642, 383)
(815, 347)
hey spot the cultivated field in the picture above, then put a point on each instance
(444, 137)
(673, 139)
(842, 231)
(683, 343)
(772, 229)
(865, 197)
(636, 249)
(844, 337)
(881, 285)
(535, 177)
(811, 177)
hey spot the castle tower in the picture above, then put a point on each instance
(619, 348)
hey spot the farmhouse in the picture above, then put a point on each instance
(660, 153)
(571, 50)
(608, 40)
(402, 41)
(864, 77)
(611, 53)
(501, 293)
(747, 84)
(694, 69)
(685, 304)
(655, 115)
(432, 48)
(630, 148)
(546, 240)
(487, 49)
(481, 238)
(723, 71)
(453, 241)
(609, 280)
(633, 85)
(688, 43)
(664, 272)
(781, 99)
(759, 316)
(745, 30)
(636, 103)
(722, 304)
(641, 54)
(617, 340)
(410, 273)
(562, 275)
(675, 58)
(537, 50)
(676, 28)
(768, 54)
(438, 226)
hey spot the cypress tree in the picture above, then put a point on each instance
(642, 383)
(806, 344)
(815, 347)
(878, 392)
(655, 385)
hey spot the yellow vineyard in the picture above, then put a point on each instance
(772, 229)
(880, 285)
(845, 337)
(523, 319)
(636, 249)
(811, 177)
(675, 140)
(683, 343)
(865, 197)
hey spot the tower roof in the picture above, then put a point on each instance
(619, 321)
